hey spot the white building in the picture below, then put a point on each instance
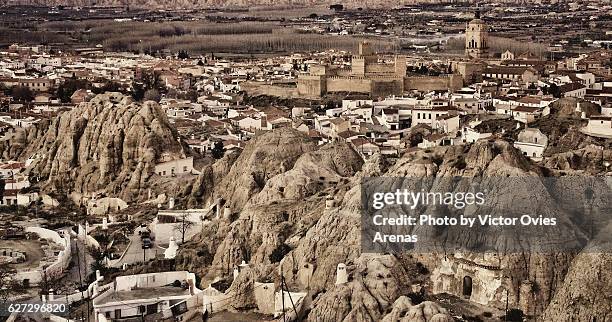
(470, 135)
(156, 296)
(532, 143)
(353, 104)
(169, 224)
(175, 167)
(447, 123)
(427, 115)
(599, 126)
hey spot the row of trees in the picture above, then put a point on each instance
(241, 43)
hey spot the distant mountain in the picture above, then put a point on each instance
(192, 4)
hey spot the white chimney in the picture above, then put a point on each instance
(171, 203)
(341, 274)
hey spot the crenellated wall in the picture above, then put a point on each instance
(432, 83)
(357, 85)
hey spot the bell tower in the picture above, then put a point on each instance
(476, 38)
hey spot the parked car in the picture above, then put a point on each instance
(147, 243)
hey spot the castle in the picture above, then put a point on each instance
(370, 76)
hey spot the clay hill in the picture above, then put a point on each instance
(108, 145)
(296, 208)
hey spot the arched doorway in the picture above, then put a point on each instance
(467, 286)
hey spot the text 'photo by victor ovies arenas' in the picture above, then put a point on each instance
(305, 160)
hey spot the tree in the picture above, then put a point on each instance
(138, 91)
(67, 88)
(152, 95)
(22, 94)
(4, 89)
(109, 86)
(514, 315)
(182, 54)
(279, 252)
(183, 226)
(218, 150)
(191, 95)
(554, 90)
(8, 286)
(2, 183)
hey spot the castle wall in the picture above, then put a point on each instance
(380, 68)
(358, 66)
(431, 83)
(357, 85)
(384, 88)
(311, 85)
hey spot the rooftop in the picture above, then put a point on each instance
(144, 294)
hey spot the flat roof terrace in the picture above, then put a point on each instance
(32, 249)
(144, 294)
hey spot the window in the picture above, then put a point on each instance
(117, 313)
(141, 309)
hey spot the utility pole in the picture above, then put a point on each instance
(283, 295)
(506, 315)
(290, 299)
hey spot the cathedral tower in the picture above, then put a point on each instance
(476, 38)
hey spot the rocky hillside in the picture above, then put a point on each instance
(586, 293)
(110, 145)
(296, 208)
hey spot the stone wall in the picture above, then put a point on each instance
(380, 68)
(469, 71)
(57, 268)
(356, 85)
(432, 83)
(382, 88)
(311, 85)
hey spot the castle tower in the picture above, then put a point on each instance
(476, 38)
(364, 57)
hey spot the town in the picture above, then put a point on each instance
(113, 258)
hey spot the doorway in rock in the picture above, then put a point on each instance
(467, 286)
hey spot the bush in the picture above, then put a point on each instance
(416, 298)
(460, 164)
(205, 256)
(152, 95)
(514, 315)
(280, 252)
(422, 269)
